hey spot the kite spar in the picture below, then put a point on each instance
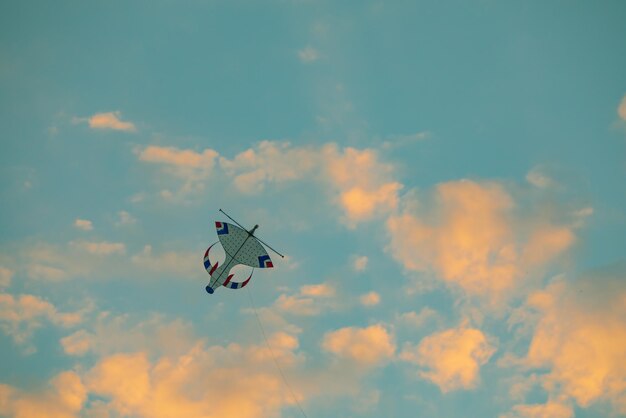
(241, 247)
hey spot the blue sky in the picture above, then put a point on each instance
(445, 179)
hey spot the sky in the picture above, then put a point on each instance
(445, 179)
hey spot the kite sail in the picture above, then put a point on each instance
(240, 247)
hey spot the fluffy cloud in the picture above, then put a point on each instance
(120, 333)
(471, 235)
(63, 398)
(621, 109)
(192, 167)
(417, 320)
(579, 336)
(452, 358)
(310, 300)
(308, 55)
(547, 410)
(103, 259)
(21, 316)
(83, 224)
(360, 263)
(370, 299)
(5, 276)
(356, 180)
(107, 120)
(368, 346)
(100, 248)
(366, 187)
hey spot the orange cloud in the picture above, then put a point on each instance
(21, 316)
(621, 109)
(177, 157)
(359, 183)
(370, 299)
(270, 162)
(368, 346)
(366, 186)
(5, 276)
(190, 384)
(547, 410)
(310, 300)
(453, 357)
(63, 398)
(84, 224)
(471, 236)
(580, 337)
(110, 120)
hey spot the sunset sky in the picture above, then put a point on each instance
(446, 180)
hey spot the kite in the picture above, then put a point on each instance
(240, 247)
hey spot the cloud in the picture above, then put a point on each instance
(5, 276)
(308, 55)
(417, 320)
(310, 300)
(580, 338)
(110, 120)
(368, 346)
(547, 410)
(131, 384)
(272, 162)
(175, 157)
(321, 290)
(621, 109)
(121, 333)
(452, 358)
(395, 141)
(83, 224)
(360, 263)
(101, 248)
(21, 316)
(538, 178)
(174, 263)
(471, 235)
(366, 187)
(63, 397)
(355, 180)
(107, 120)
(125, 218)
(194, 168)
(370, 299)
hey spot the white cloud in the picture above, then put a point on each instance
(125, 218)
(101, 248)
(538, 178)
(308, 55)
(84, 224)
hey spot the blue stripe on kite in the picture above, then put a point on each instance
(263, 259)
(223, 230)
